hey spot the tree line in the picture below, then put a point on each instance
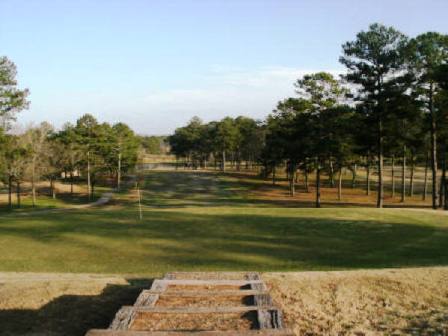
(89, 149)
(392, 103)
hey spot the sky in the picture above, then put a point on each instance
(156, 64)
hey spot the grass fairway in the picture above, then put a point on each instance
(205, 221)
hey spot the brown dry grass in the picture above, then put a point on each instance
(367, 302)
(376, 302)
(44, 188)
(204, 301)
(329, 196)
(191, 321)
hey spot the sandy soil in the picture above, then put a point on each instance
(370, 302)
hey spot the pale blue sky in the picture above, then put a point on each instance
(155, 64)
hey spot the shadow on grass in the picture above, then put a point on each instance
(72, 315)
(229, 239)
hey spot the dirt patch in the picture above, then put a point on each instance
(377, 302)
(224, 322)
(204, 301)
(177, 288)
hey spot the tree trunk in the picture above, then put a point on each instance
(411, 187)
(393, 176)
(425, 183)
(71, 182)
(445, 207)
(354, 172)
(435, 196)
(380, 197)
(33, 182)
(318, 187)
(331, 174)
(292, 185)
(273, 174)
(340, 185)
(305, 180)
(10, 191)
(119, 172)
(291, 175)
(442, 182)
(18, 193)
(89, 186)
(223, 168)
(368, 179)
(403, 176)
(446, 195)
(380, 139)
(53, 194)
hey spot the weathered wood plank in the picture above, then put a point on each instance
(190, 282)
(212, 275)
(253, 276)
(197, 310)
(159, 285)
(270, 319)
(199, 293)
(263, 300)
(146, 298)
(123, 319)
(273, 332)
(259, 285)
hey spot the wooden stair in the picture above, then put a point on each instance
(200, 304)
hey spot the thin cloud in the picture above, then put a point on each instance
(222, 91)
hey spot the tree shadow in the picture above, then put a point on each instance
(72, 315)
(237, 239)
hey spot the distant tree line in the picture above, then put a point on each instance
(154, 144)
(391, 103)
(88, 148)
(230, 140)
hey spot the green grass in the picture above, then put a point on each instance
(204, 221)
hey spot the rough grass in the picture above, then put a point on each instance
(373, 302)
(204, 221)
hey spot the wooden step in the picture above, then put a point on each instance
(163, 285)
(108, 332)
(212, 275)
(189, 293)
(195, 310)
(202, 304)
(193, 298)
(199, 282)
(267, 317)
